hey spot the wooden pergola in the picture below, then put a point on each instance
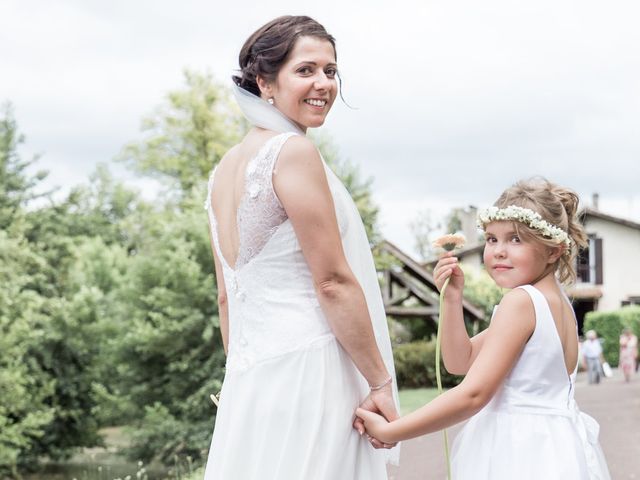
(409, 290)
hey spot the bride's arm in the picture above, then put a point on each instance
(301, 185)
(223, 312)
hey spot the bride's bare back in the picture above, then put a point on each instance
(244, 205)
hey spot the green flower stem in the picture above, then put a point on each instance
(438, 376)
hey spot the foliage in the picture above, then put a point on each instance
(46, 352)
(609, 326)
(359, 188)
(16, 185)
(416, 367)
(453, 221)
(423, 227)
(188, 134)
(24, 386)
(170, 355)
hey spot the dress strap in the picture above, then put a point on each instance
(536, 296)
(540, 305)
(207, 202)
(276, 144)
(261, 168)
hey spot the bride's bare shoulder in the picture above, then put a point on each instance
(299, 150)
(231, 154)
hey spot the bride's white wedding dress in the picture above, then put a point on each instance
(290, 392)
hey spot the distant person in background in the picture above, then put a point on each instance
(592, 354)
(628, 353)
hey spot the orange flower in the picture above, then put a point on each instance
(450, 241)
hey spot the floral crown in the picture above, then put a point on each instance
(524, 215)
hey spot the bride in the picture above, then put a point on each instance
(302, 320)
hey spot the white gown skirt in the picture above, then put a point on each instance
(290, 418)
(496, 445)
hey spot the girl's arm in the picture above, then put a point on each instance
(223, 311)
(510, 329)
(458, 350)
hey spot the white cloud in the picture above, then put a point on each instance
(456, 100)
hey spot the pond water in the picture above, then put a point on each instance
(106, 463)
(93, 471)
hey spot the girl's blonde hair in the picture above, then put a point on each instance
(558, 206)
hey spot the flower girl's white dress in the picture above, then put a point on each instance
(290, 392)
(532, 429)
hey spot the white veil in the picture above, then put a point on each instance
(262, 114)
(354, 238)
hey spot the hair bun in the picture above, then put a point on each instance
(569, 200)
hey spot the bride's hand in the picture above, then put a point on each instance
(379, 402)
(376, 427)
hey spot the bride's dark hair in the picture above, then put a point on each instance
(267, 48)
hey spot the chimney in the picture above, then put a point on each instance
(594, 200)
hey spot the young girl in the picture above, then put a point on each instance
(520, 372)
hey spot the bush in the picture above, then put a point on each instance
(609, 326)
(415, 366)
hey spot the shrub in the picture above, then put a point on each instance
(609, 326)
(415, 366)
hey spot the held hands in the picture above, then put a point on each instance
(378, 404)
(377, 428)
(447, 267)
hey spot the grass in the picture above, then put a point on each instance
(197, 474)
(413, 398)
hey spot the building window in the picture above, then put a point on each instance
(589, 262)
(631, 301)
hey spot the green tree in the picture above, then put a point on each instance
(16, 185)
(188, 134)
(423, 227)
(453, 221)
(360, 189)
(25, 388)
(47, 321)
(171, 355)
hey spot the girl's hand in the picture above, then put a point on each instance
(376, 426)
(447, 267)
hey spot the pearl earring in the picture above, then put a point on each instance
(270, 100)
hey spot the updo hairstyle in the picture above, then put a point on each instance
(558, 206)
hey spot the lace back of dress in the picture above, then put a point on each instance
(259, 212)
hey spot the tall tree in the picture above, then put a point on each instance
(360, 188)
(188, 134)
(48, 346)
(25, 412)
(16, 185)
(423, 228)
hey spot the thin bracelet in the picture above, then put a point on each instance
(382, 385)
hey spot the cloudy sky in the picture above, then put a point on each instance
(455, 99)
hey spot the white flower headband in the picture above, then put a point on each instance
(528, 217)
